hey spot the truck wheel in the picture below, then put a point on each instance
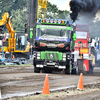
(67, 70)
(73, 71)
(34, 64)
(36, 70)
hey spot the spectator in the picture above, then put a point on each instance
(30, 53)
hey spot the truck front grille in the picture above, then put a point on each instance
(51, 56)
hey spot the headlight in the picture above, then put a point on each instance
(38, 57)
(38, 53)
(64, 55)
(64, 59)
(68, 56)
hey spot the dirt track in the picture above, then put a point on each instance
(20, 81)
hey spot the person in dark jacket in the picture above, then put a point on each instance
(30, 53)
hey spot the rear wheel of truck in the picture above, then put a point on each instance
(36, 70)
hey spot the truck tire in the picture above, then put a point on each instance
(73, 71)
(67, 70)
(36, 70)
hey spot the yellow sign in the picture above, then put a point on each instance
(84, 50)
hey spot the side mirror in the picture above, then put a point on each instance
(74, 37)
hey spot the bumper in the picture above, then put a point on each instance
(51, 64)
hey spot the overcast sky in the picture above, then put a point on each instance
(61, 4)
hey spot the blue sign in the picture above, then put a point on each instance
(53, 39)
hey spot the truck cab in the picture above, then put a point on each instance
(82, 38)
(53, 43)
(86, 59)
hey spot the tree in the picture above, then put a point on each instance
(9, 5)
(19, 19)
(63, 14)
(54, 12)
(15, 9)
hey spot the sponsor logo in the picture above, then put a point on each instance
(51, 45)
(53, 39)
(51, 56)
(81, 45)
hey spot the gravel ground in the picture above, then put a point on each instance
(21, 80)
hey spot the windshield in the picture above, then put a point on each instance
(58, 31)
(81, 34)
(21, 42)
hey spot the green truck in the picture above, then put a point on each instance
(54, 45)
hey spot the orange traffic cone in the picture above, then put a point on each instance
(46, 86)
(80, 83)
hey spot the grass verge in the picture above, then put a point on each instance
(15, 65)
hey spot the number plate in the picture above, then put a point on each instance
(50, 63)
(52, 45)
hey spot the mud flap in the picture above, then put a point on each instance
(80, 65)
(88, 66)
(84, 66)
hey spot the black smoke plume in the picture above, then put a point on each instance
(89, 7)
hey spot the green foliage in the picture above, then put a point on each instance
(54, 12)
(16, 8)
(18, 18)
(9, 5)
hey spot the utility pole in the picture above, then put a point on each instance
(32, 20)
